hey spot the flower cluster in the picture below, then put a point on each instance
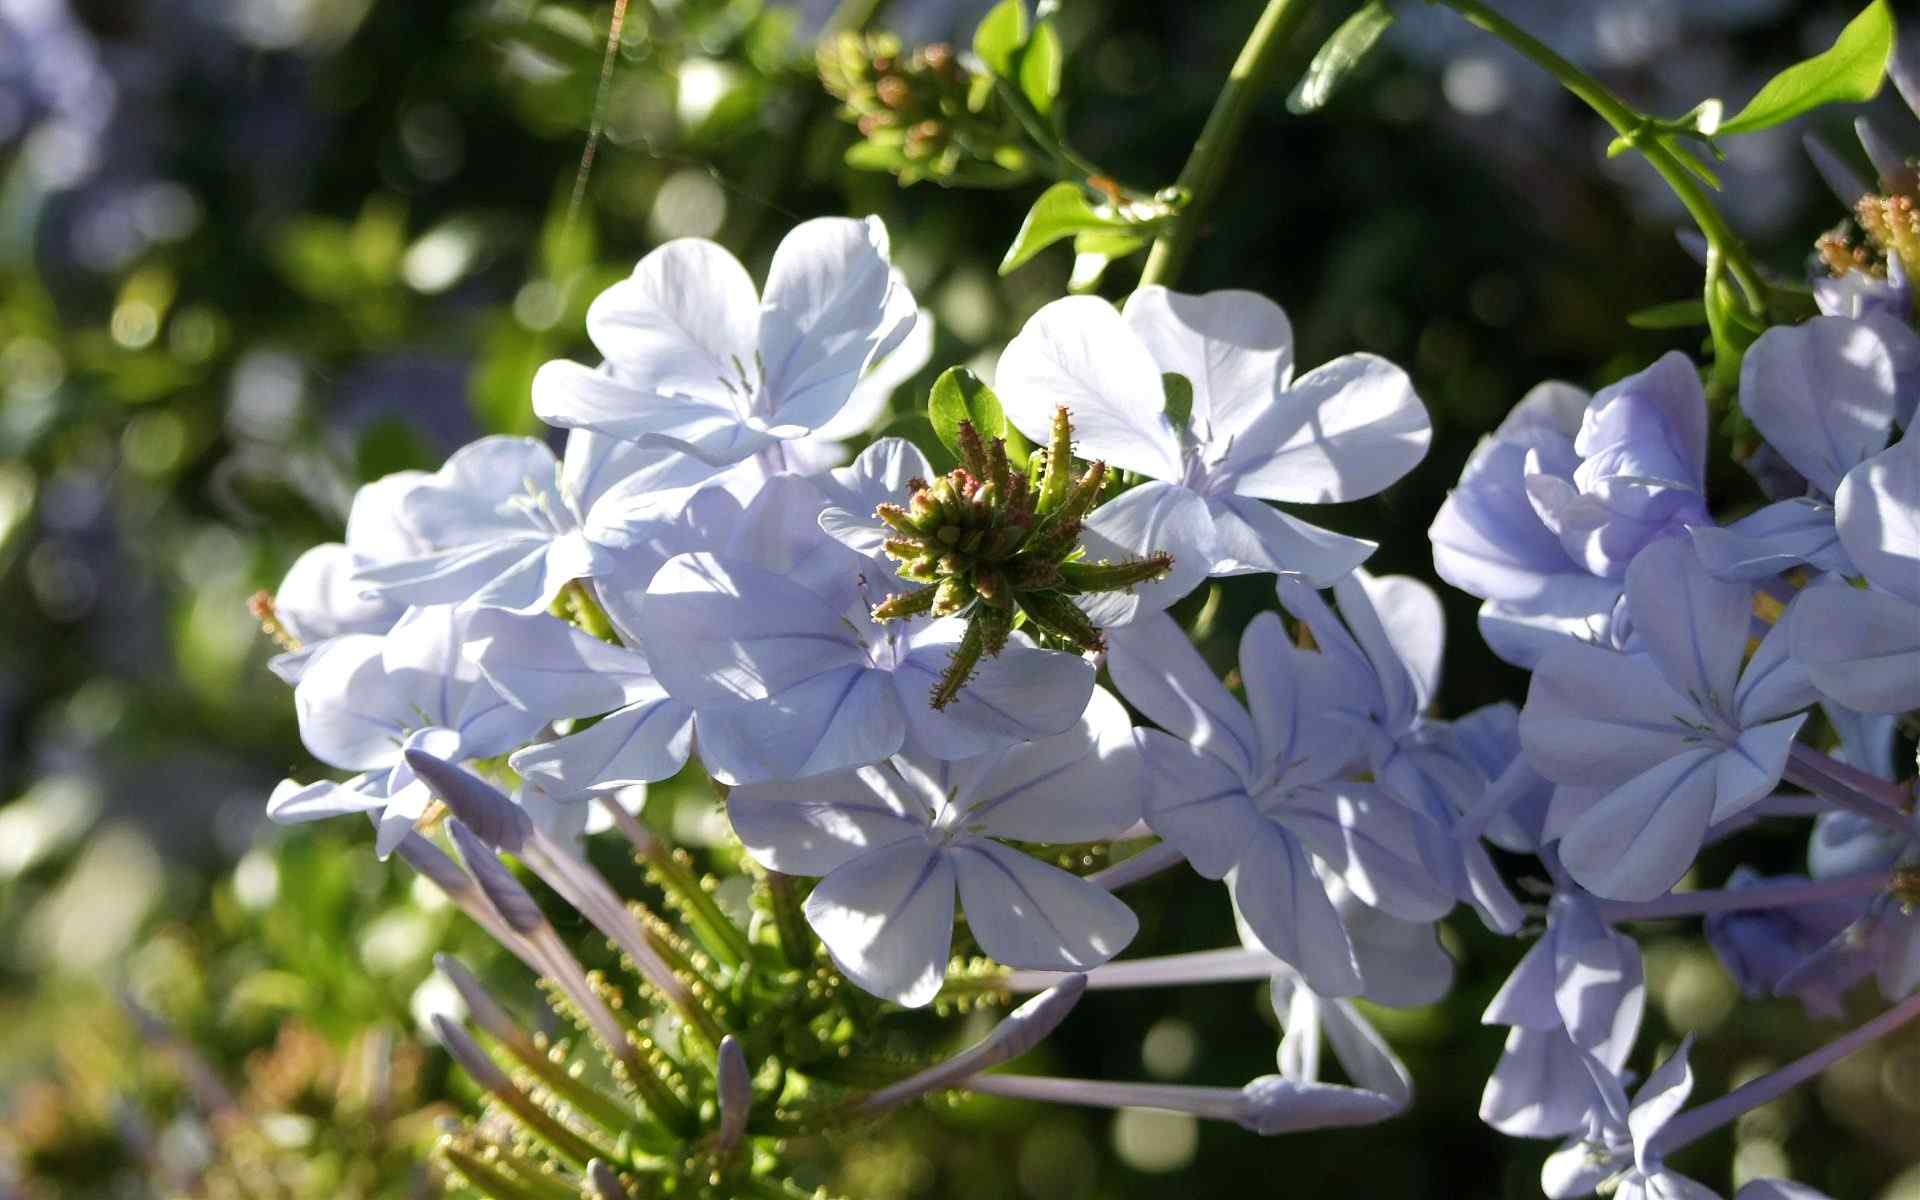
(917, 693)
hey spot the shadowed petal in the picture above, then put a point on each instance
(1028, 914)
(887, 920)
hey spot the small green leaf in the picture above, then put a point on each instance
(1040, 68)
(1849, 70)
(1061, 211)
(1179, 390)
(1000, 35)
(1675, 314)
(1336, 59)
(958, 395)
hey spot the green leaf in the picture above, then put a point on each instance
(1000, 35)
(958, 395)
(1335, 61)
(1061, 211)
(1040, 68)
(1179, 390)
(1675, 314)
(1850, 70)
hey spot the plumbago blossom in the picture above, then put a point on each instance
(1236, 430)
(893, 679)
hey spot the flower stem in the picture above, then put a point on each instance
(1230, 965)
(1698, 1122)
(1896, 796)
(1772, 894)
(1636, 128)
(1144, 865)
(717, 933)
(1841, 795)
(1207, 166)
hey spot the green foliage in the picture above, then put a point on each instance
(1339, 56)
(959, 395)
(1001, 35)
(1849, 70)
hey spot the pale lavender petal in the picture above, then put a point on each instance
(1080, 786)
(1023, 693)
(829, 310)
(1539, 1088)
(842, 718)
(1343, 431)
(1822, 393)
(1078, 352)
(1160, 673)
(1878, 514)
(815, 826)
(1774, 539)
(1252, 537)
(1025, 913)
(684, 323)
(1596, 718)
(1638, 841)
(720, 630)
(1288, 910)
(1234, 347)
(1860, 648)
(887, 920)
(1197, 803)
(1694, 625)
(640, 743)
(546, 666)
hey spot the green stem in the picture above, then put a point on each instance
(1067, 164)
(1637, 128)
(1207, 166)
(789, 921)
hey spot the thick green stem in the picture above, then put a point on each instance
(1638, 130)
(1207, 166)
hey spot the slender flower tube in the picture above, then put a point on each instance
(1756, 896)
(1696, 1123)
(1268, 1105)
(1023, 1029)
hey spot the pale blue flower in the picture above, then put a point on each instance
(697, 360)
(1255, 433)
(1642, 473)
(770, 641)
(1579, 990)
(1618, 1157)
(1380, 666)
(896, 841)
(366, 700)
(506, 526)
(556, 672)
(1823, 394)
(1259, 795)
(1679, 735)
(1862, 646)
(1490, 541)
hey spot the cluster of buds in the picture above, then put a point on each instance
(921, 114)
(1002, 547)
(694, 1071)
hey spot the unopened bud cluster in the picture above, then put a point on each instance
(1002, 547)
(921, 113)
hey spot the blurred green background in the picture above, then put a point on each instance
(255, 252)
